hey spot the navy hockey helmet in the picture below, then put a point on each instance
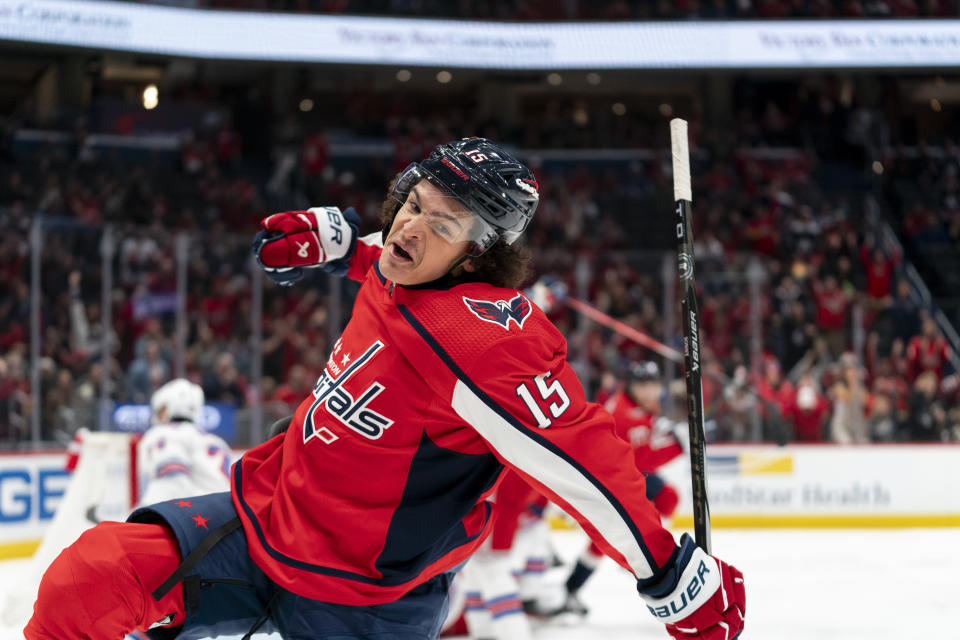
(646, 371)
(498, 189)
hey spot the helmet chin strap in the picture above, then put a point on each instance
(459, 261)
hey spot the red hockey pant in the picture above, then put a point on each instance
(99, 587)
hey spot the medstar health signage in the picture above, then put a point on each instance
(825, 486)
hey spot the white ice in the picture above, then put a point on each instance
(890, 584)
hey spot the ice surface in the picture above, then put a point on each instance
(890, 584)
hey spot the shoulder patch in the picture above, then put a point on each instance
(501, 312)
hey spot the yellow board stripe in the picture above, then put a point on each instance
(888, 521)
(562, 522)
(20, 549)
(881, 521)
(762, 463)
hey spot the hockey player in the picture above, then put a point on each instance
(174, 456)
(656, 440)
(350, 524)
(636, 410)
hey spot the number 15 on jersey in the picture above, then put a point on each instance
(551, 393)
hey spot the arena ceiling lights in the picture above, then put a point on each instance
(235, 35)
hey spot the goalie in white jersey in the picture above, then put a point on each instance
(175, 457)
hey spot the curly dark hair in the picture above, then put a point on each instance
(502, 265)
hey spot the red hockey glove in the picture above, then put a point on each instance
(321, 237)
(700, 598)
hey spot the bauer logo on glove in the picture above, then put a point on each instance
(699, 598)
(700, 577)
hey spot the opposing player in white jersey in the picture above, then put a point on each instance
(175, 457)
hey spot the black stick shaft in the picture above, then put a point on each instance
(691, 330)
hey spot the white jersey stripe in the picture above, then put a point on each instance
(374, 239)
(554, 471)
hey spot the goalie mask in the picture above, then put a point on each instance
(498, 192)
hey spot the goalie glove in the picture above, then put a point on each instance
(321, 237)
(699, 598)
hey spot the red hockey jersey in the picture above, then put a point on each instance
(652, 447)
(381, 480)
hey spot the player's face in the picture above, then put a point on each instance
(647, 395)
(425, 240)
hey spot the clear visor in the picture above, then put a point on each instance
(446, 215)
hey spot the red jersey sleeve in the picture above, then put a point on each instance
(365, 255)
(528, 404)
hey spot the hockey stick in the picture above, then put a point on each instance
(624, 329)
(683, 198)
(548, 292)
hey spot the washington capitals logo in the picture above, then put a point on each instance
(501, 312)
(530, 186)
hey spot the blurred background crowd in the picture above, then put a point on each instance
(826, 208)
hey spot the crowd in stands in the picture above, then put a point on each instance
(846, 354)
(538, 10)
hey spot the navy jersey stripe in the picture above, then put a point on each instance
(386, 581)
(540, 440)
(376, 269)
(423, 530)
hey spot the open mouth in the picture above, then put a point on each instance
(398, 252)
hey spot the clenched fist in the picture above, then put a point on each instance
(322, 237)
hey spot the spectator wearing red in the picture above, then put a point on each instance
(296, 386)
(889, 384)
(716, 325)
(762, 230)
(807, 414)
(316, 153)
(832, 307)
(774, 388)
(879, 271)
(217, 309)
(928, 351)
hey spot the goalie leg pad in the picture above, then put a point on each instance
(99, 587)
